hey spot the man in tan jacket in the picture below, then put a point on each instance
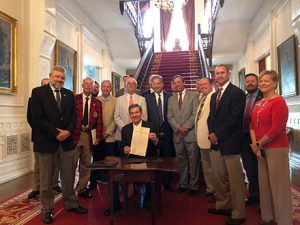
(108, 146)
(206, 88)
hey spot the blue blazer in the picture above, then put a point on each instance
(227, 120)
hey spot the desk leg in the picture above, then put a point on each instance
(111, 193)
(153, 205)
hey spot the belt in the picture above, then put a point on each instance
(85, 130)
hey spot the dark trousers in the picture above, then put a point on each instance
(251, 167)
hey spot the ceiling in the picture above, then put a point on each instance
(232, 30)
(118, 30)
(231, 34)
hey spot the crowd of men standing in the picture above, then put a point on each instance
(206, 131)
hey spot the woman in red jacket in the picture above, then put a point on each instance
(270, 144)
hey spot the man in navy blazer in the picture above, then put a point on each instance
(162, 126)
(225, 124)
(54, 117)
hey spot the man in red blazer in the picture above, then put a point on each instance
(89, 117)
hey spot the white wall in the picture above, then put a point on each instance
(40, 23)
(270, 27)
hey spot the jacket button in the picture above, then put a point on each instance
(61, 118)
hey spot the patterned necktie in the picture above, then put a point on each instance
(130, 100)
(218, 97)
(86, 112)
(203, 98)
(180, 101)
(57, 98)
(159, 107)
(247, 115)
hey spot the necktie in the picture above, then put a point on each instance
(130, 100)
(85, 120)
(159, 107)
(247, 114)
(218, 97)
(57, 98)
(180, 101)
(203, 98)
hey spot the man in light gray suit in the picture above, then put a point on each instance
(121, 114)
(182, 108)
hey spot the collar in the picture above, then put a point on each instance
(139, 125)
(53, 88)
(225, 86)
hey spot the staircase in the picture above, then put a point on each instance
(168, 64)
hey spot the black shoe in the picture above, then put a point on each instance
(224, 212)
(232, 221)
(85, 193)
(271, 222)
(207, 194)
(92, 186)
(180, 190)
(79, 210)
(33, 194)
(251, 201)
(57, 189)
(107, 211)
(47, 218)
(168, 187)
(192, 193)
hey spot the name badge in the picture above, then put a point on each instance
(95, 115)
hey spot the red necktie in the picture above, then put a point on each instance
(180, 101)
(130, 100)
(247, 114)
(218, 97)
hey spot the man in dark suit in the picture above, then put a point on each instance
(225, 134)
(135, 113)
(54, 116)
(55, 182)
(248, 157)
(89, 118)
(157, 108)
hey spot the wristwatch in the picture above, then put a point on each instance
(257, 144)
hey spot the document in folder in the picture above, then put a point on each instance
(139, 142)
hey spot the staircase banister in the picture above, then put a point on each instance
(148, 53)
(202, 57)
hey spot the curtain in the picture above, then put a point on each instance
(189, 20)
(165, 22)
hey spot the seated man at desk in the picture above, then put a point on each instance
(135, 113)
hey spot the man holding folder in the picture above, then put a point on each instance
(135, 113)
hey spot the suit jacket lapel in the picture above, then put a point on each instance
(224, 96)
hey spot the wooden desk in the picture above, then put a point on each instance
(150, 172)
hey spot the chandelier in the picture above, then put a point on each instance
(168, 5)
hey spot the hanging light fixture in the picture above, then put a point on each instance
(167, 5)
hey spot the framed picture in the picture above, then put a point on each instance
(67, 58)
(8, 54)
(115, 79)
(242, 78)
(92, 72)
(287, 67)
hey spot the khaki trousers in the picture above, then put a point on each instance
(274, 185)
(229, 183)
(83, 153)
(36, 175)
(47, 164)
(207, 170)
